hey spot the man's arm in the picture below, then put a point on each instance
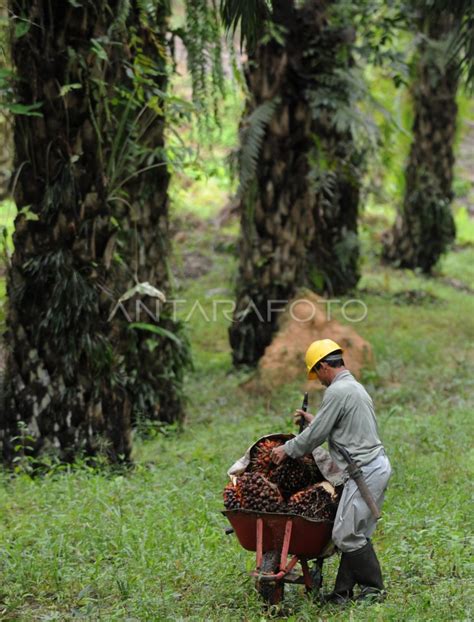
(318, 431)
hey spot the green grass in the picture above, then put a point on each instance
(464, 227)
(149, 544)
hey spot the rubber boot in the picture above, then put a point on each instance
(345, 582)
(366, 571)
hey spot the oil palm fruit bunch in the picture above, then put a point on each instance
(232, 496)
(258, 493)
(291, 475)
(314, 475)
(261, 461)
(313, 502)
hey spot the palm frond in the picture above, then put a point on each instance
(202, 36)
(121, 16)
(456, 48)
(251, 138)
(250, 15)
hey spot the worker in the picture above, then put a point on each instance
(346, 418)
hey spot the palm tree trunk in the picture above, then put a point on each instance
(63, 378)
(291, 227)
(333, 256)
(6, 154)
(276, 207)
(155, 363)
(425, 226)
(6, 125)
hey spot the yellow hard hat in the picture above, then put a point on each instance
(317, 351)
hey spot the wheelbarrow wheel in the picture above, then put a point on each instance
(271, 591)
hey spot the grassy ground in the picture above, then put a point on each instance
(149, 545)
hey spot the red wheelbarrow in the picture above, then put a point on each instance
(275, 537)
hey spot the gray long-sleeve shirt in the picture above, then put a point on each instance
(346, 416)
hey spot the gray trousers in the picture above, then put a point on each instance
(354, 522)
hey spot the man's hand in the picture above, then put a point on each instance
(279, 454)
(301, 413)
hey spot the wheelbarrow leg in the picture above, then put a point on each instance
(259, 543)
(315, 576)
(286, 544)
(308, 579)
(271, 591)
(317, 573)
(270, 563)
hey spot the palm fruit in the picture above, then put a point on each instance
(232, 496)
(314, 475)
(261, 461)
(291, 475)
(265, 485)
(313, 502)
(257, 493)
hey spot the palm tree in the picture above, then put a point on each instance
(298, 170)
(92, 225)
(65, 379)
(424, 228)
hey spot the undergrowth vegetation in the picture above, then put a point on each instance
(148, 543)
